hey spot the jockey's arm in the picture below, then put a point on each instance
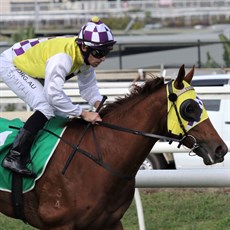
(57, 68)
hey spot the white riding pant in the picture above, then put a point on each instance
(29, 89)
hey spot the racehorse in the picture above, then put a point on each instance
(98, 185)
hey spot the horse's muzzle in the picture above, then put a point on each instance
(213, 157)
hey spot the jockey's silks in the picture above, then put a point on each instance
(30, 56)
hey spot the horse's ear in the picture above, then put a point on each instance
(178, 84)
(189, 75)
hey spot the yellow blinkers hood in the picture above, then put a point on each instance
(173, 123)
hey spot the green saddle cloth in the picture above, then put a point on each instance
(41, 152)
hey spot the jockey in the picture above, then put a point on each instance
(36, 70)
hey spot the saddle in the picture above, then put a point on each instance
(41, 152)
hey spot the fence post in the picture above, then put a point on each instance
(120, 57)
(199, 53)
(140, 213)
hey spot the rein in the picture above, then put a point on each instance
(137, 132)
(151, 135)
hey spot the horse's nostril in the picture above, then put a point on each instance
(221, 150)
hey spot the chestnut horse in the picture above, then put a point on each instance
(98, 185)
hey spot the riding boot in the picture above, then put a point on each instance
(19, 154)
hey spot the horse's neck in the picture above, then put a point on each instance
(130, 150)
(145, 114)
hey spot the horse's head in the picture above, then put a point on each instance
(188, 119)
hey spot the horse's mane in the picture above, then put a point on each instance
(145, 89)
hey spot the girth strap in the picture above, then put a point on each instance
(17, 197)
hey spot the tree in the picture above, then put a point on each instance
(226, 44)
(211, 63)
(23, 34)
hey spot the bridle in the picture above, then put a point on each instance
(173, 98)
(99, 160)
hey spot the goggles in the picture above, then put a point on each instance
(99, 53)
